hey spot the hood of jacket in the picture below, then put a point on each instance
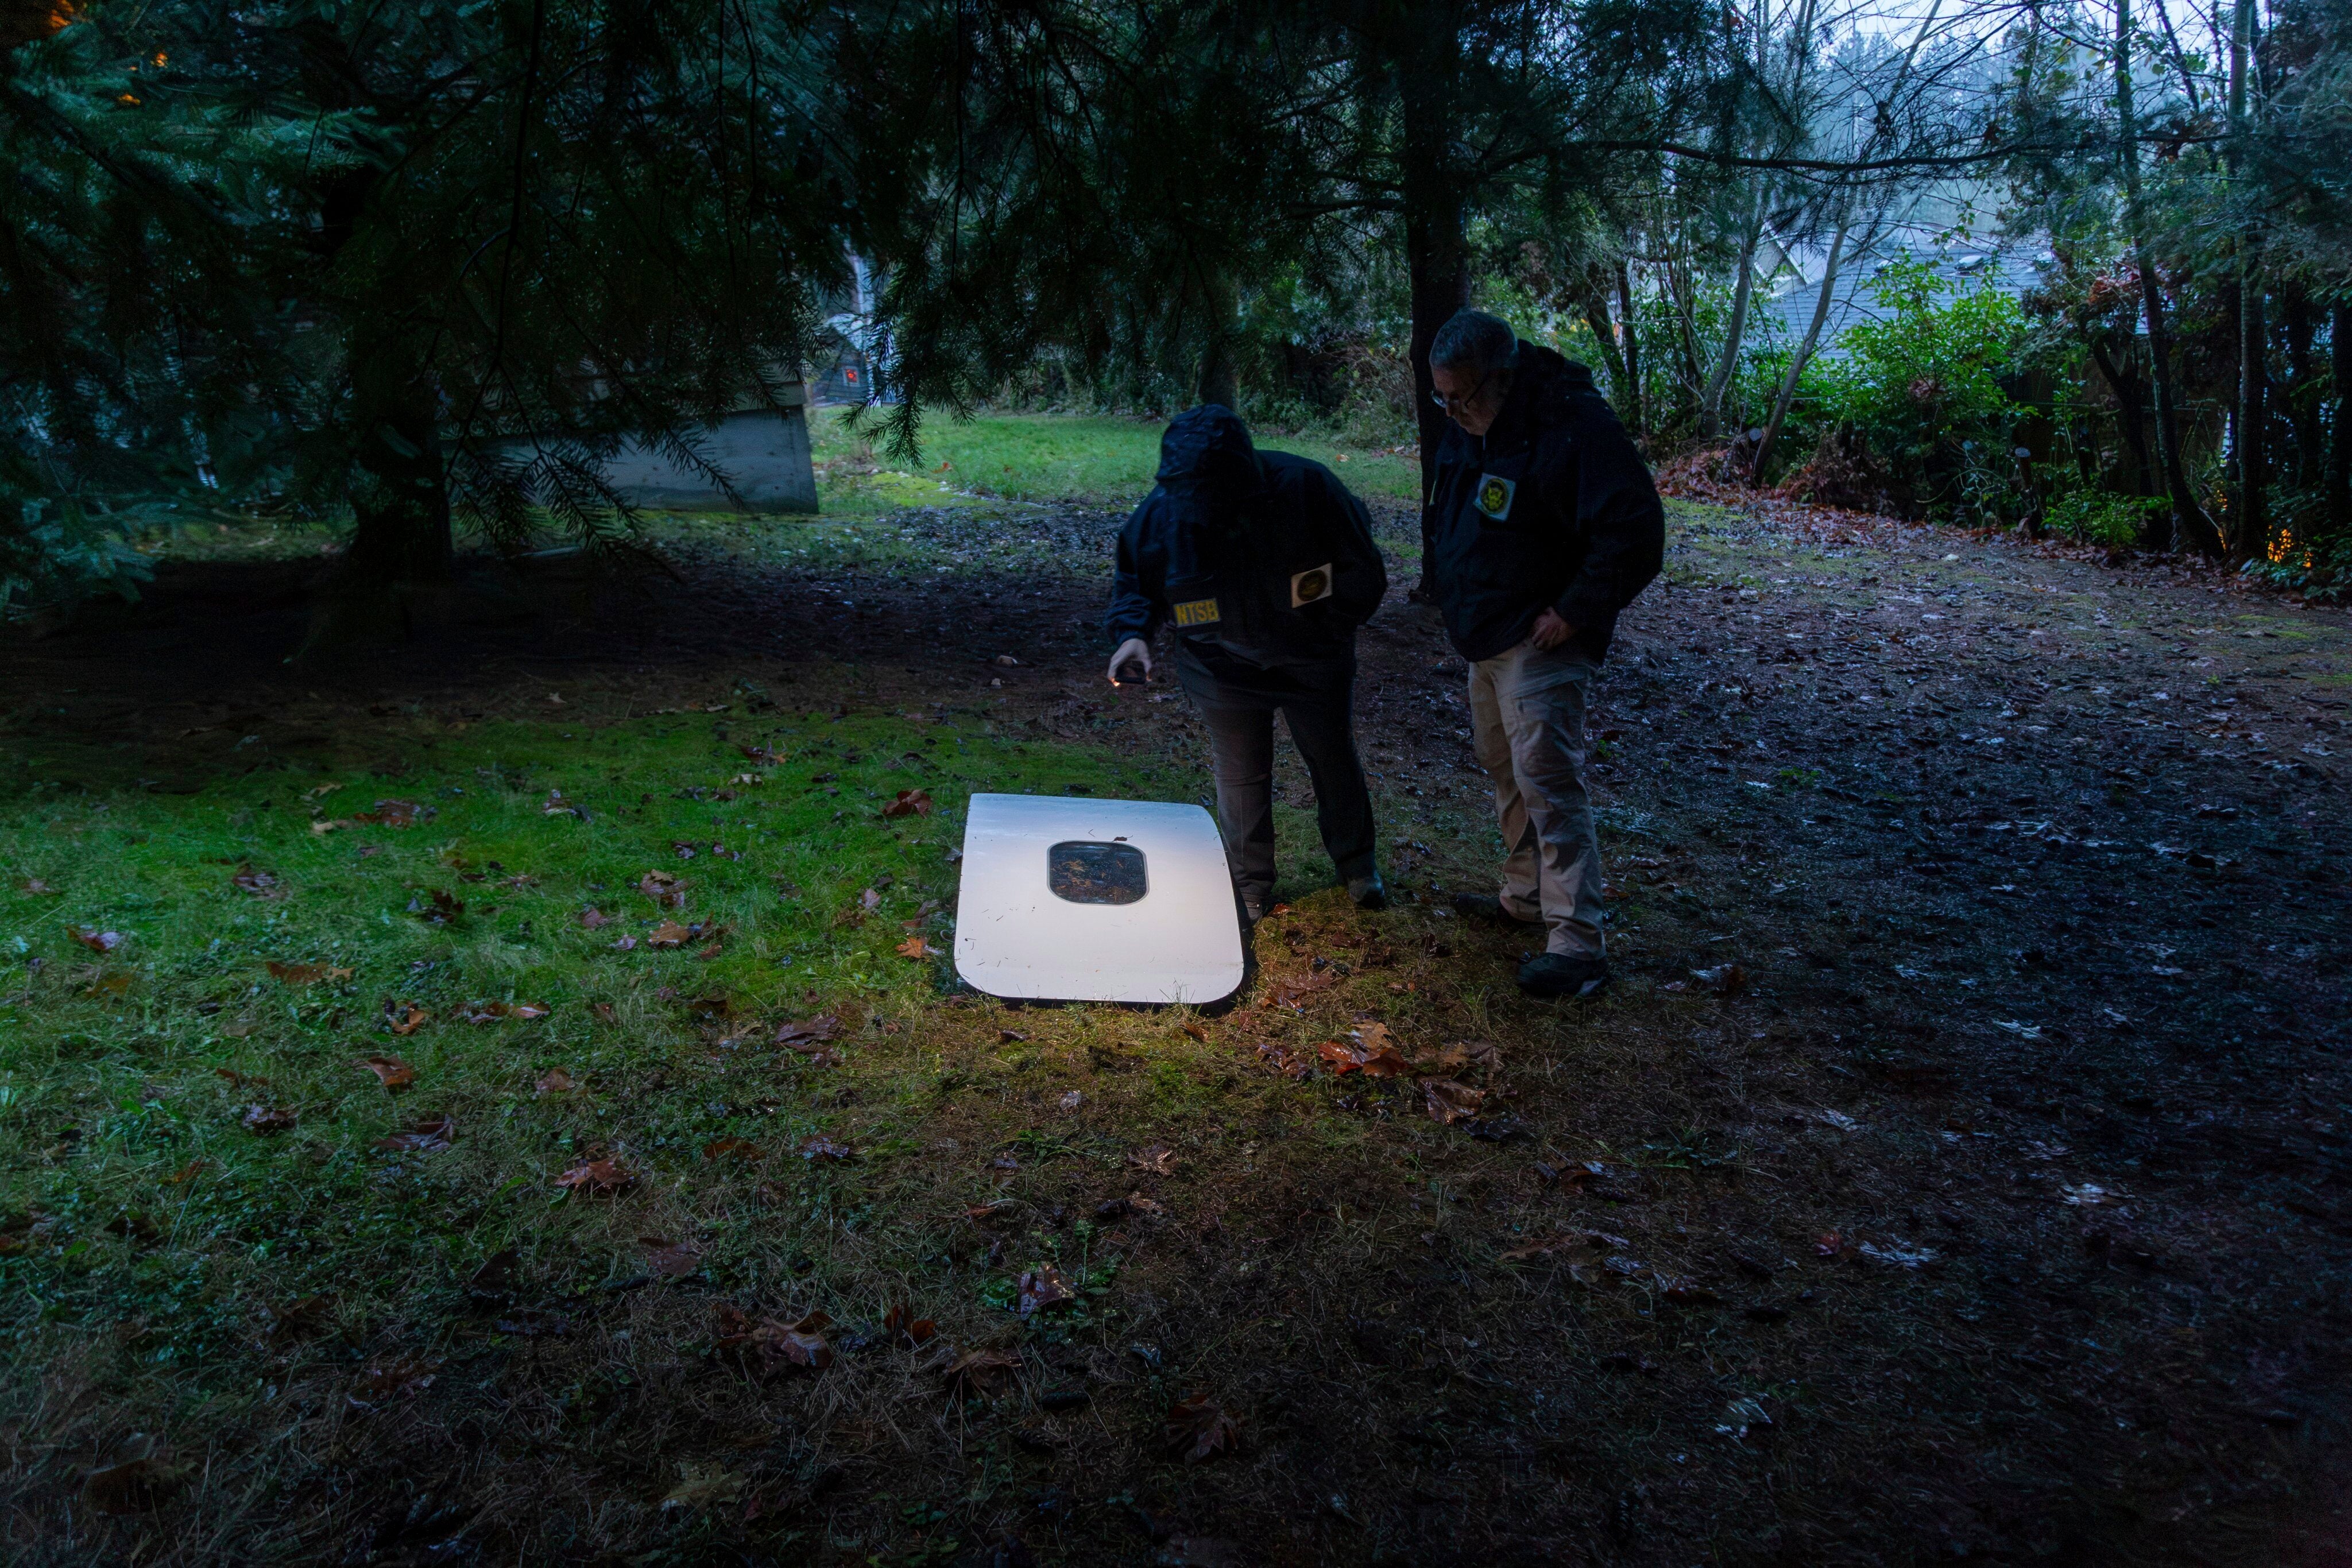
(1206, 452)
(1545, 377)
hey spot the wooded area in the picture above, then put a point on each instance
(327, 259)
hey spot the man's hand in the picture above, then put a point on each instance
(1550, 631)
(1134, 651)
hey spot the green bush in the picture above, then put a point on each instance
(2100, 517)
(1923, 385)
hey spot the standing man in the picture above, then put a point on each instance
(1265, 565)
(1542, 524)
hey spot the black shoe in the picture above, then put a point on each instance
(1485, 907)
(1558, 975)
(1367, 891)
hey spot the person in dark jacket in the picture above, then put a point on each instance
(1264, 566)
(1542, 524)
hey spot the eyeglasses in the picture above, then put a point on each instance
(1450, 403)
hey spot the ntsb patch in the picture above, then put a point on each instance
(1306, 587)
(1197, 612)
(1495, 494)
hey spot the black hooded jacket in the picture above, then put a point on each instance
(1262, 554)
(1552, 508)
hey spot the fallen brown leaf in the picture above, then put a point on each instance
(430, 1137)
(597, 1178)
(266, 1120)
(96, 941)
(824, 1148)
(870, 900)
(1043, 1288)
(909, 803)
(977, 1371)
(435, 907)
(394, 1074)
(770, 1345)
(404, 1018)
(666, 889)
(668, 934)
(490, 1012)
(34, 887)
(901, 1324)
(1156, 1160)
(397, 813)
(260, 883)
(1200, 1429)
(1450, 1100)
(554, 1081)
(1723, 981)
(409, 1375)
(673, 1259)
(306, 974)
(702, 1487)
(1290, 993)
(916, 948)
(1551, 1246)
(732, 1148)
(592, 917)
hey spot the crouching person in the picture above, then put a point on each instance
(1542, 524)
(1264, 566)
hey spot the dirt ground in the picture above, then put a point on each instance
(1956, 1171)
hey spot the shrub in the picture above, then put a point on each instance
(2100, 517)
(1923, 385)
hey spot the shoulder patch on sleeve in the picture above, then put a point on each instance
(1306, 587)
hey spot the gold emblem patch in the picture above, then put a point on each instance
(1197, 612)
(1495, 494)
(1311, 585)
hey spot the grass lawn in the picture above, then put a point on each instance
(1093, 460)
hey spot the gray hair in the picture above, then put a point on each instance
(1475, 341)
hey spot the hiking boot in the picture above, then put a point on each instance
(1485, 907)
(1367, 891)
(1563, 975)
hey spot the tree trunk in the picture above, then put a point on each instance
(1437, 258)
(399, 491)
(2131, 419)
(2297, 332)
(1805, 353)
(1634, 415)
(2250, 530)
(1220, 378)
(2188, 518)
(1710, 408)
(2250, 534)
(1604, 333)
(2339, 448)
(1681, 291)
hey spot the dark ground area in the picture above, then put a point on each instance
(1957, 1170)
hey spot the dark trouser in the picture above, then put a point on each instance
(1238, 701)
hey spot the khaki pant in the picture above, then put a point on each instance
(1526, 713)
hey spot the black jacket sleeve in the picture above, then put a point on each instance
(1135, 608)
(1359, 577)
(1617, 507)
